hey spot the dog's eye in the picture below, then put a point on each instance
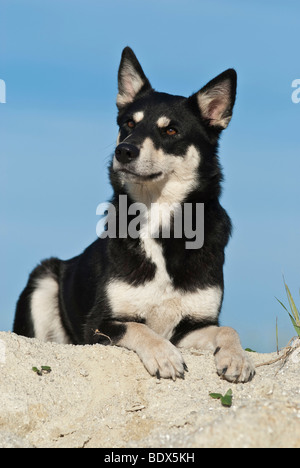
(131, 123)
(171, 131)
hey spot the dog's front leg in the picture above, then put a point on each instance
(231, 360)
(159, 356)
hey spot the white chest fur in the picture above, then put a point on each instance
(157, 302)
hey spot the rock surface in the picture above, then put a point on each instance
(98, 396)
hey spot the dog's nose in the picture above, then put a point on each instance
(125, 153)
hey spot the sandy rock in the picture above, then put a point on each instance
(98, 396)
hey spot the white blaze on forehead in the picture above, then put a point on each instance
(138, 116)
(163, 122)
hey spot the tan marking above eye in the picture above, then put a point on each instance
(163, 122)
(138, 116)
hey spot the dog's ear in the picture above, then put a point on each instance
(217, 98)
(131, 79)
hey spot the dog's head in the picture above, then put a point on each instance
(167, 145)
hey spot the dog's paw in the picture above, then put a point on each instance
(163, 360)
(234, 365)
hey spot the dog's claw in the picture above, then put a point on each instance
(234, 365)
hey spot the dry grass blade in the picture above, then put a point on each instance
(98, 333)
(286, 352)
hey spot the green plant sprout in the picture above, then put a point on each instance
(43, 370)
(294, 314)
(226, 399)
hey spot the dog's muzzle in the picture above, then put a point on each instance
(126, 153)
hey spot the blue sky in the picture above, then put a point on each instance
(59, 60)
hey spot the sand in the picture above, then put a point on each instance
(98, 396)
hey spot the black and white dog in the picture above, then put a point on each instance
(150, 294)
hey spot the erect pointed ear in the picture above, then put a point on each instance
(217, 98)
(131, 79)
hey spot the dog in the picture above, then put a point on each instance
(151, 295)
